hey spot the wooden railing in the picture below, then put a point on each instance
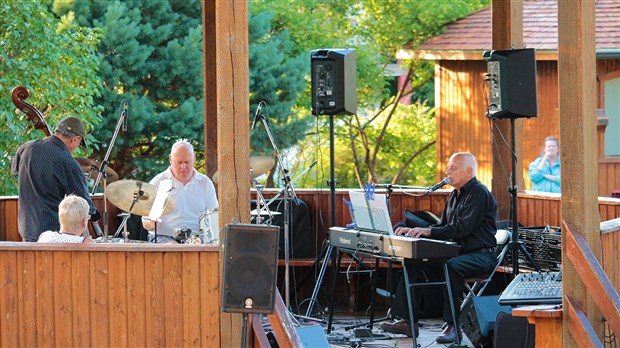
(598, 286)
(109, 295)
(534, 209)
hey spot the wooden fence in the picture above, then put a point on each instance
(109, 295)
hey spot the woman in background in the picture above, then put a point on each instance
(544, 171)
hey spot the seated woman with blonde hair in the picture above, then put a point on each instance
(73, 217)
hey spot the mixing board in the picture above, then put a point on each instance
(533, 288)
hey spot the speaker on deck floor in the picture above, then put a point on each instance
(478, 319)
(513, 332)
(250, 268)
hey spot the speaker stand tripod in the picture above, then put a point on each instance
(327, 252)
(515, 245)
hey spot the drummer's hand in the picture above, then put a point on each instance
(413, 232)
(148, 225)
(95, 217)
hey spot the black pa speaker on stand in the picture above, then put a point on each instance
(511, 75)
(250, 268)
(334, 78)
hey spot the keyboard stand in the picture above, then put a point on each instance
(446, 283)
(335, 271)
(408, 285)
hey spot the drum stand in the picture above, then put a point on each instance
(261, 199)
(126, 215)
(123, 226)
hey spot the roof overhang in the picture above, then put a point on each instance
(461, 54)
(603, 53)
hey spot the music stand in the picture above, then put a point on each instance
(159, 205)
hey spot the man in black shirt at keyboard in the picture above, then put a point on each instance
(468, 219)
(47, 173)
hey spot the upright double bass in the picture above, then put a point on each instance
(18, 94)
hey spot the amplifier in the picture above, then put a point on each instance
(533, 288)
(544, 244)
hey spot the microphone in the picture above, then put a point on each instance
(97, 229)
(95, 224)
(256, 117)
(125, 112)
(435, 187)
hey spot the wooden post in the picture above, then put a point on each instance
(227, 126)
(209, 51)
(507, 18)
(577, 79)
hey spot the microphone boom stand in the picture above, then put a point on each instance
(288, 190)
(103, 174)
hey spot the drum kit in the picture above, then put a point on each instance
(90, 168)
(137, 197)
(259, 165)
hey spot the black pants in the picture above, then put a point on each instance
(459, 268)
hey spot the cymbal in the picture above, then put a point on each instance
(91, 168)
(264, 212)
(259, 165)
(121, 193)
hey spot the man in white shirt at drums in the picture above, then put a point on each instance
(193, 194)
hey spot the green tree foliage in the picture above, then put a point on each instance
(277, 78)
(56, 61)
(377, 29)
(151, 56)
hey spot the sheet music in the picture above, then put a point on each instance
(361, 210)
(157, 210)
(371, 214)
(380, 214)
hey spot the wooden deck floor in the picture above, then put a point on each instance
(344, 334)
(431, 328)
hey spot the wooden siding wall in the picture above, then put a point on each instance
(461, 121)
(113, 295)
(461, 101)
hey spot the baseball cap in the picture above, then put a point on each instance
(73, 125)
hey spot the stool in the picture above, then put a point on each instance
(481, 282)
